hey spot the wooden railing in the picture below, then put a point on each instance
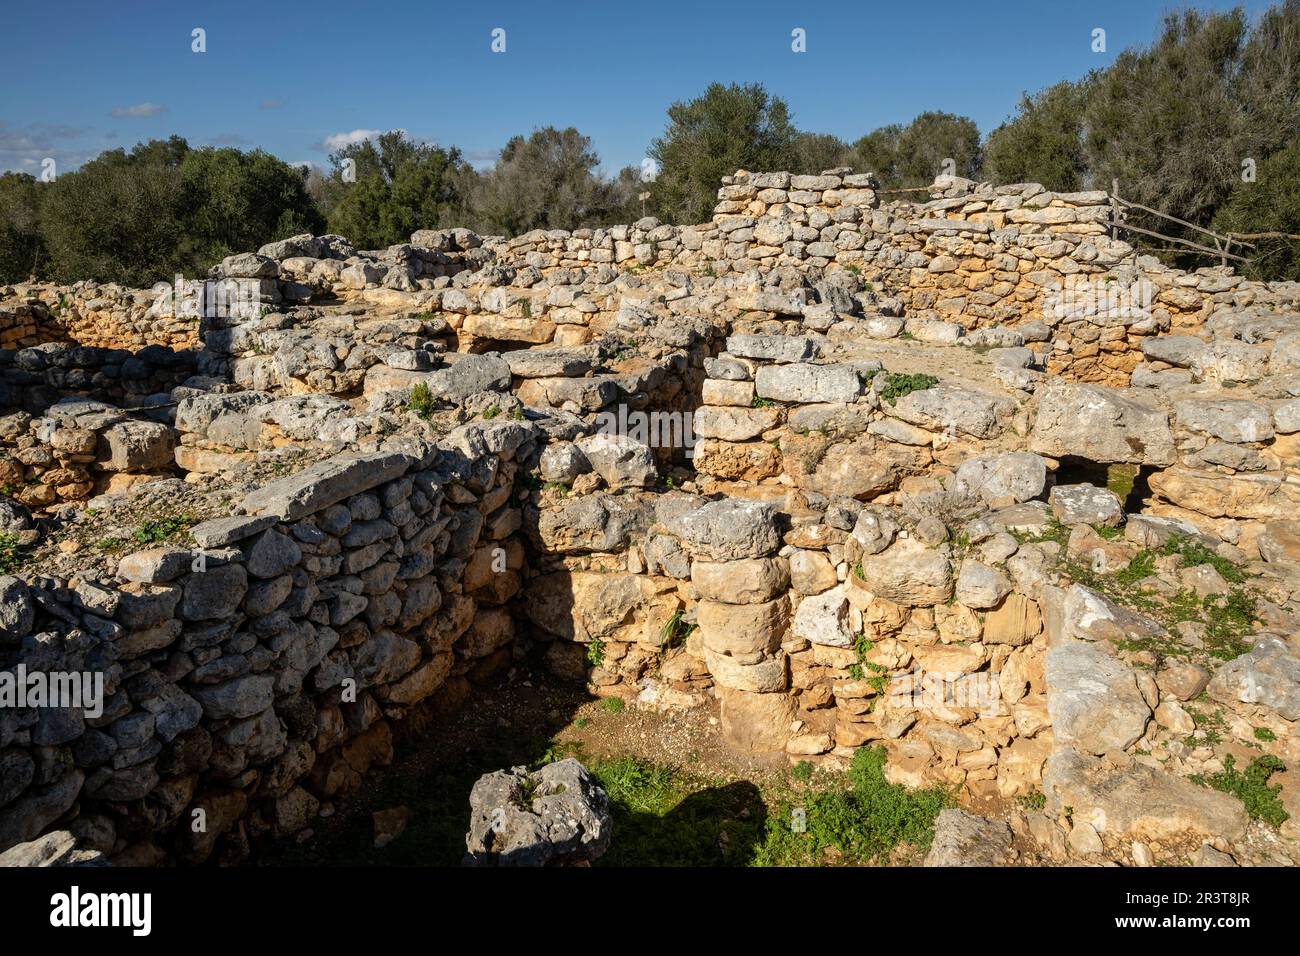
(1223, 243)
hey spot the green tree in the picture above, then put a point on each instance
(401, 186)
(1269, 204)
(877, 152)
(814, 152)
(163, 208)
(1164, 121)
(118, 217)
(1043, 142)
(235, 202)
(547, 181)
(913, 155)
(725, 129)
(1268, 81)
(20, 235)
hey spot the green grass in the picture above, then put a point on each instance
(674, 632)
(1140, 567)
(1228, 618)
(899, 384)
(1055, 531)
(1192, 553)
(1033, 800)
(864, 822)
(1264, 734)
(1211, 727)
(163, 529)
(759, 402)
(613, 705)
(1252, 787)
(663, 817)
(11, 553)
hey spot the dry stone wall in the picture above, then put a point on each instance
(261, 670)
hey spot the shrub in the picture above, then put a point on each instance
(1252, 787)
(899, 384)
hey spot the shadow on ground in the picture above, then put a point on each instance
(661, 817)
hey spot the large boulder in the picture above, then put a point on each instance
(1230, 420)
(776, 348)
(729, 529)
(1019, 475)
(1268, 675)
(908, 573)
(952, 409)
(621, 461)
(1094, 700)
(555, 816)
(56, 848)
(804, 383)
(17, 609)
(962, 838)
(1086, 504)
(824, 618)
(1138, 802)
(1280, 542)
(469, 375)
(136, 446)
(1090, 616)
(249, 265)
(1102, 424)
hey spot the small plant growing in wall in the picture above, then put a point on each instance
(675, 631)
(163, 529)
(421, 400)
(596, 653)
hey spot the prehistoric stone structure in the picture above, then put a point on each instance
(965, 478)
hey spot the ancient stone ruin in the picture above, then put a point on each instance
(965, 479)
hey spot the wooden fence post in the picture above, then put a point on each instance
(1114, 209)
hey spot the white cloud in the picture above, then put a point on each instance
(137, 111)
(25, 148)
(336, 141)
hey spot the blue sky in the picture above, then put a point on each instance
(293, 78)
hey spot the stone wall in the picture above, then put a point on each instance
(86, 313)
(261, 670)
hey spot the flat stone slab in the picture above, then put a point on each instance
(219, 532)
(326, 483)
